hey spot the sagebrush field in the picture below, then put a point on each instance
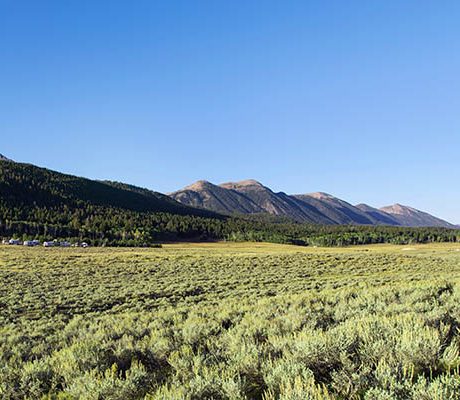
(230, 321)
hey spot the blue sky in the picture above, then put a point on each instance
(360, 99)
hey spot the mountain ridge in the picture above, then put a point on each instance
(412, 217)
(38, 203)
(378, 215)
(316, 207)
(201, 198)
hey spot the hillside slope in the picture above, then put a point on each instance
(248, 197)
(316, 208)
(377, 215)
(279, 204)
(408, 216)
(37, 202)
(206, 195)
(337, 210)
(25, 185)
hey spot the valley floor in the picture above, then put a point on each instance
(230, 321)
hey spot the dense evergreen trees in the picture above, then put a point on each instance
(114, 227)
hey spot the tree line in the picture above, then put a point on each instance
(102, 226)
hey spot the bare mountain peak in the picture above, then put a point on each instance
(321, 196)
(204, 194)
(399, 209)
(247, 183)
(409, 216)
(199, 185)
(365, 207)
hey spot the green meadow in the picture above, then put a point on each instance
(230, 321)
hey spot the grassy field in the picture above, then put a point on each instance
(230, 321)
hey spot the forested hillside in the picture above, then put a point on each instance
(37, 202)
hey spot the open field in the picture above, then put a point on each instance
(230, 321)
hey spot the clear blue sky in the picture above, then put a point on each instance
(360, 99)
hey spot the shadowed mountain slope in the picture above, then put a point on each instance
(251, 197)
(408, 216)
(248, 197)
(377, 215)
(206, 195)
(279, 204)
(337, 210)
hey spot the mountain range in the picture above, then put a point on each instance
(251, 197)
(25, 188)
